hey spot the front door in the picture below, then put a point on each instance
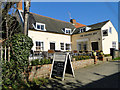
(94, 45)
(52, 46)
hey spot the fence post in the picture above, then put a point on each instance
(1, 51)
(5, 53)
(8, 54)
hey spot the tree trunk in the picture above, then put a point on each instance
(0, 31)
(26, 15)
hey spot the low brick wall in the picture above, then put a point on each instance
(108, 58)
(44, 70)
(40, 71)
(82, 63)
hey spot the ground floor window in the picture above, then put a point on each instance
(79, 47)
(85, 46)
(114, 44)
(39, 46)
(62, 46)
(67, 46)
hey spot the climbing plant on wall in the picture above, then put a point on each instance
(15, 71)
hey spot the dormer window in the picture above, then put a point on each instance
(40, 26)
(82, 30)
(67, 30)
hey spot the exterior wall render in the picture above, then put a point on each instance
(47, 37)
(88, 39)
(107, 40)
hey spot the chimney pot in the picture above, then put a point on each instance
(73, 21)
(19, 5)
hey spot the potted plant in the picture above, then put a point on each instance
(101, 55)
(95, 57)
(86, 51)
(80, 51)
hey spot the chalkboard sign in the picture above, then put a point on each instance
(61, 64)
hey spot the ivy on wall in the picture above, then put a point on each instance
(15, 71)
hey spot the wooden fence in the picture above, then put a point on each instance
(4, 53)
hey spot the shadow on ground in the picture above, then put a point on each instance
(111, 81)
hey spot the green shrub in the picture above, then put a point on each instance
(38, 83)
(40, 62)
(106, 55)
(12, 72)
(35, 62)
(81, 57)
(118, 58)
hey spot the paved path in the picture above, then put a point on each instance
(104, 75)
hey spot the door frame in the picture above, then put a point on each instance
(52, 42)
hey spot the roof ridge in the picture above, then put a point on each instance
(50, 18)
(99, 23)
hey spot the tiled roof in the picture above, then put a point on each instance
(96, 26)
(77, 25)
(52, 25)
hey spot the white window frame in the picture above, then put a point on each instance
(35, 26)
(69, 47)
(107, 32)
(63, 46)
(66, 30)
(41, 47)
(81, 29)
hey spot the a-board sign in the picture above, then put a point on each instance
(61, 65)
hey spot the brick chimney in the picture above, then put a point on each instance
(19, 5)
(73, 21)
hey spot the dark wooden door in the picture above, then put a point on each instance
(52, 46)
(94, 45)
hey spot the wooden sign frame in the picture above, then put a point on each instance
(67, 58)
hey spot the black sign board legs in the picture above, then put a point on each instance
(68, 66)
(61, 65)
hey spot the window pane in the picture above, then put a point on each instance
(83, 29)
(38, 26)
(67, 46)
(114, 44)
(85, 46)
(39, 46)
(62, 46)
(68, 31)
(110, 29)
(42, 27)
(37, 43)
(79, 46)
(105, 32)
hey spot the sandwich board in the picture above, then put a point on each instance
(61, 64)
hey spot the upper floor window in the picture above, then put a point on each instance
(114, 44)
(67, 30)
(40, 26)
(105, 32)
(110, 30)
(82, 30)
